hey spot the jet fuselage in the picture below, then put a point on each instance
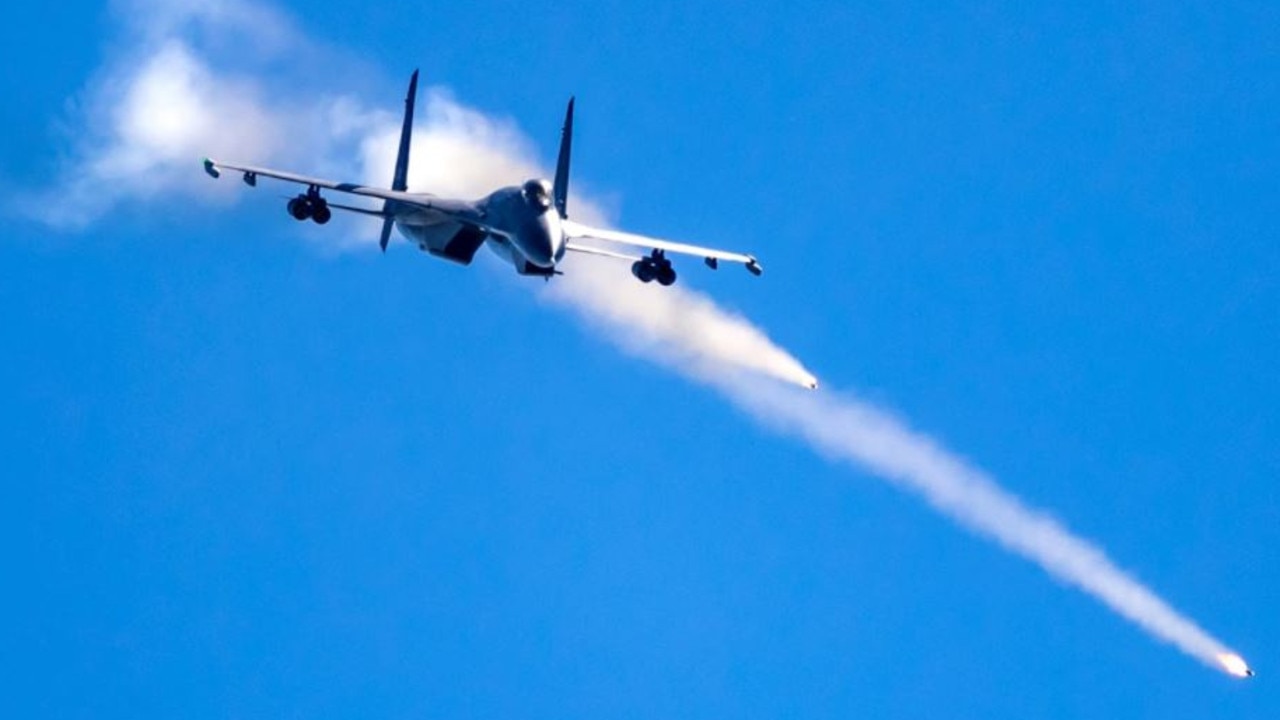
(528, 231)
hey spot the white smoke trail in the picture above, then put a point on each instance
(654, 322)
(683, 329)
(166, 103)
(855, 432)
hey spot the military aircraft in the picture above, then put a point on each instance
(528, 225)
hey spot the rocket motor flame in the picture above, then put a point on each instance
(1235, 665)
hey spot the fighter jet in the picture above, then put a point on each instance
(528, 225)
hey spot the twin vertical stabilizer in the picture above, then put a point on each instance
(400, 181)
(560, 188)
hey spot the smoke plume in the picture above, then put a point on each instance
(852, 431)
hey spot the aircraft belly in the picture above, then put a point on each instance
(510, 252)
(503, 249)
(446, 239)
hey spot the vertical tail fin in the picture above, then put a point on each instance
(387, 224)
(400, 181)
(560, 189)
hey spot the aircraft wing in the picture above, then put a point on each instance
(575, 230)
(590, 250)
(457, 210)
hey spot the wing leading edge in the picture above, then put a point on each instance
(456, 210)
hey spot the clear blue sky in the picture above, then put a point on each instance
(244, 477)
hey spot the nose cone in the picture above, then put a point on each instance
(555, 236)
(540, 253)
(543, 245)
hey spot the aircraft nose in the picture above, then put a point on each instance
(543, 250)
(555, 238)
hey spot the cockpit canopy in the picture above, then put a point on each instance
(537, 193)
